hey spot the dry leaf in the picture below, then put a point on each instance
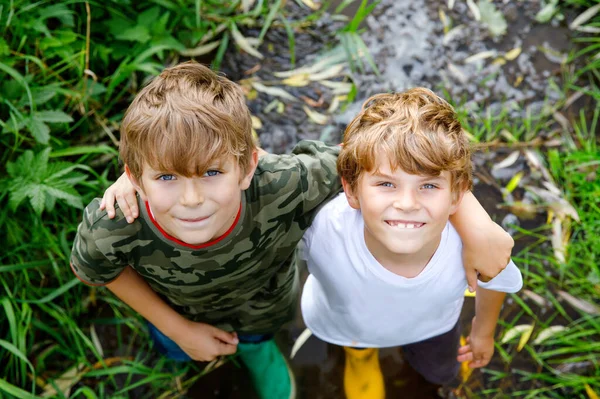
(513, 54)
(588, 29)
(298, 80)
(444, 19)
(200, 50)
(538, 299)
(480, 56)
(337, 87)
(273, 91)
(585, 16)
(514, 332)
(96, 340)
(508, 161)
(65, 381)
(499, 61)
(244, 43)
(330, 72)
(522, 210)
(557, 239)
(451, 4)
(580, 304)
(590, 392)
(312, 5)
(474, 9)
(525, 337)
(558, 204)
(256, 122)
(562, 120)
(300, 341)
(457, 73)
(335, 103)
(453, 33)
(518, 81)
(315, 116)
(547, 333)
(465, 370)
(514, 182)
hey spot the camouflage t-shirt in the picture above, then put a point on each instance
(244, 282)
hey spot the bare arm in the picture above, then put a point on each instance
(200, 341)
(480, 343)
(486, 246)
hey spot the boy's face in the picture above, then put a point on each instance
(198, 209)
(404, 214)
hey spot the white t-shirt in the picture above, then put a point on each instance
(350, 299)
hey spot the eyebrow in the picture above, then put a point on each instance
(385, 176)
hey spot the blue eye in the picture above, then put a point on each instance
(429, 186)
(212, 173)
(166, 177)
(386, 184)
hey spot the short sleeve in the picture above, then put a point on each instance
(318, 170)
(508, 280)
(94, 259)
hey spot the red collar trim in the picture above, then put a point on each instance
(185, 244)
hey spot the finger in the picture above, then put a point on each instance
(108, 201)
(467, 357)
(472, 280)
(124, 206)
(132, 202)
(102, 205)
(475, 364)
(225, 337)
(464, 349)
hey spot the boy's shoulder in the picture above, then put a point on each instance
(97, 223)
(304, 150)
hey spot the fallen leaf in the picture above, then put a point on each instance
(271, 106)
(547, 12)
(244, 43)
(465, 370)
(480, 56)
(64, 383)
(547, 333)
(444, 19)
(590, 392)
(200, 50)
(256, 122)
(453, 33)
(96, 340)
(538, 299)
(492, 18)
(338, 87)
(508, 161)
(328, 73)
(518, 81)
(513, 54)
(514, 182)
(298, 80)
(558, 204)
(557, 240)
(588, 29)
(514, 332)
(273, 91)
(315, 116)
(315, 104)
(522, 210)
(457, 73)
(451, 4)
(474, 10)
(300, 342)
(525, 337)
(580, 304)
(312, 5)
(585, 16)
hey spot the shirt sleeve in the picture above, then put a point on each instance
(94, 259)
(319, 178)
(508, 280)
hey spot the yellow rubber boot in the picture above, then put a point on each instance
(362, 374)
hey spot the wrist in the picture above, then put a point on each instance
(175, 327)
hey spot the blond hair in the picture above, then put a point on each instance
(419, 133)
(186, 119)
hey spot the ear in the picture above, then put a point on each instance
(247, 178)
(136, 184)
(456, 203)
(350, 195)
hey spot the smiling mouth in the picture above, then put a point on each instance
(193, 220)
(401, 224)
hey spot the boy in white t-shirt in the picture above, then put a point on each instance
(385, 263)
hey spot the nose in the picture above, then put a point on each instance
(407, 201)
(192, 193)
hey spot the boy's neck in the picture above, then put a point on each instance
(405, 265)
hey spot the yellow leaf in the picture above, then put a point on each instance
(514, 182)
(298, 80)
(256, 122)
(315, 116)
(590, 392)
(499, 61)
(513, 54)
(518, 81)
(444, 20)
(312, 5)
(525, 337)
(465, 370)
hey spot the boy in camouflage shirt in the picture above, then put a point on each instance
(208, 263)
